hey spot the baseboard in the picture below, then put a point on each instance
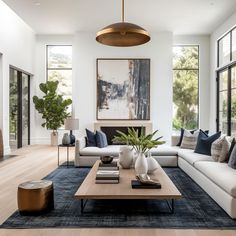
(34, 141)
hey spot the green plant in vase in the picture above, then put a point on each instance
(141, 144)
(53, 108)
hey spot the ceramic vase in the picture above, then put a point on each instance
(66, 139)
(54, 138)
(141, 165)
(152, 164)
(125, 157)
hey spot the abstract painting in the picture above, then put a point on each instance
(123, 89)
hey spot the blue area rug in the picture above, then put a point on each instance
(195, 210)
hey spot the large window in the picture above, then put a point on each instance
(185, 87)
(226, 84)
(226, 49)
(59, 67)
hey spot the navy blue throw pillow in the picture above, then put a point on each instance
(232, 159)
(91, 139)
(101, 139)
(204, 142)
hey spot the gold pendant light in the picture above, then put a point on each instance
(123, 34)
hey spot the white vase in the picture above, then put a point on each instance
(125, 157)
(141, 166)
(54, 138)
(152, 164)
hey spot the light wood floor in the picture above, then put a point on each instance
(35, 162)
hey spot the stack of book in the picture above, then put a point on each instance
(110, 166)
(108, 174)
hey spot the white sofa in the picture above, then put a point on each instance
(87, 156)
(217, 179)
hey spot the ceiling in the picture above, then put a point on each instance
(70, 16)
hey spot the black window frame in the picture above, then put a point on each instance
(20, 73)
(55, 68)
(227, 67)
(198, 77)
(58, 68)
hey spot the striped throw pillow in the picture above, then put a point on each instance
(189, 139)
(220, 148)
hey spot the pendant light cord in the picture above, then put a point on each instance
(123, 10)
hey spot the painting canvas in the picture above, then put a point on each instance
(123, 89)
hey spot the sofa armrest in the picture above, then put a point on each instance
(80, 143)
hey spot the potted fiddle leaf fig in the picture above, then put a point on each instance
(142, 144)
(53, 108)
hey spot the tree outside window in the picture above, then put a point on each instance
(59, 68)
(185, 87)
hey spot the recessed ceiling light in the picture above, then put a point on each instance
(37, 4)
(212, 3)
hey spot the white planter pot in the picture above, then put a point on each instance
(141, 166)
(54, 138)
(152, 164)
(126, 157)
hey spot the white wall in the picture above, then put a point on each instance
(218, 33)
(204, 73)
(17, 48)
(40, 135)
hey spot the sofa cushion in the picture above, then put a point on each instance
(204, 142)
(164, 150)
(110, 150)
(114, 150)
(191, 157)
(219, 173)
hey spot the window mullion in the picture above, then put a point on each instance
(229, 102)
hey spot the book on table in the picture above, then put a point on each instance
(107, 176)
(110, 166)
(136, 184)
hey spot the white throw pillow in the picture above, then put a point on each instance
(189, 140)
(220, 149)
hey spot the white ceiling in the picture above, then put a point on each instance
(70, 16)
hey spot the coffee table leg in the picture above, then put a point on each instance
(171, 205)
(82, 205)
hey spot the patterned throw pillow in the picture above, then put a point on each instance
(220, 148)
(189, 140)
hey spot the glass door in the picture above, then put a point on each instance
(13, 105)
(19, 107)
(25, 109)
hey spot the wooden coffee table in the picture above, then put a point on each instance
(90, 190)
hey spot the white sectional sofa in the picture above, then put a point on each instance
(217, 179)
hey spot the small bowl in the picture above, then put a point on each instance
(106, 159)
